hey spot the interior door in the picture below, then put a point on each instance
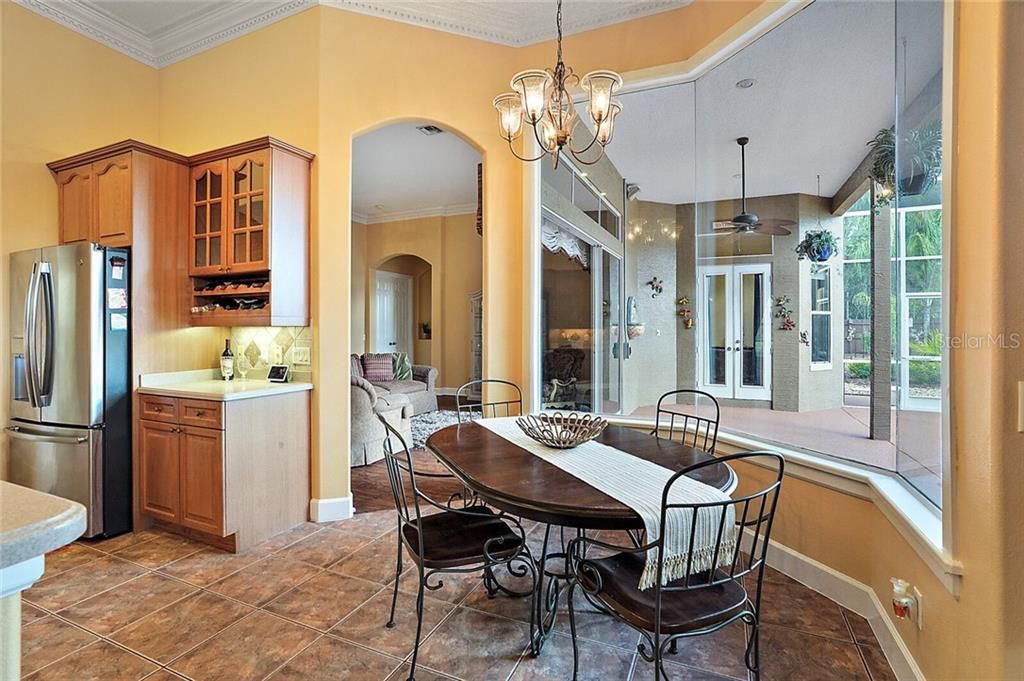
(393, 317)
(735, 343)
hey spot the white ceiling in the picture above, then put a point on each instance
(409, 174)
(824, 88)
(161, 32)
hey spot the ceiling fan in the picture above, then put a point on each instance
(747, 223)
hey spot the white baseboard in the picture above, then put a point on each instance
(852, 595)
(446, 391)
(329, 510)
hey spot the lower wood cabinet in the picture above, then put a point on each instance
(235, 479)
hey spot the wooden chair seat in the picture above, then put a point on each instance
(456, 539)
(681, 611)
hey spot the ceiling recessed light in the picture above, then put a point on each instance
(429, 129)
(379, 206)
(746, 83)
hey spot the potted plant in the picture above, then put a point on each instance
(920, 155)
(817, 246)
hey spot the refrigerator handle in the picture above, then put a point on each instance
(45, 383)
(15, 432)
(30, 335)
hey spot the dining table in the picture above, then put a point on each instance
(513, 480)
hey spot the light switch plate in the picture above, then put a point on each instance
(300, 356)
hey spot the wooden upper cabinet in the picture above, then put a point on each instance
(208, 219)
(248, 226)
(74, 203)
(104, 195)
(112, 200)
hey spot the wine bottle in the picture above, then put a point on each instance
(227, 361)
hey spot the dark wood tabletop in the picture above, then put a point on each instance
(514, 480)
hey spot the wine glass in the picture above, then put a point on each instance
(242, 365)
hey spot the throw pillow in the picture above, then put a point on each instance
(378, 367)
(357, 366)
(402, 366)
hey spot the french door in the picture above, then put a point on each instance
(735, 327)
(393, 316)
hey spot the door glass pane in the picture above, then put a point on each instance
(215, 216)
(610, 324)
(201, 187)
(925, 326)
(200, 253)
(215, 188)
(924, 276)
(256, 211)
(200, 220)
(717, 310)
(256, 246)
(215, 250)
(586, 200)
(257, 176)
(752, 341)
(240, 254)
(242, 179)
(567, 362)
(820, 289)
(240, 209)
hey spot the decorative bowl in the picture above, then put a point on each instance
(561, 430)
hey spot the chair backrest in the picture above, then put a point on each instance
(753, 515)
(503, 398)
(694, 427)
(402, 477)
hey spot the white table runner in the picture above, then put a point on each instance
(639, 484)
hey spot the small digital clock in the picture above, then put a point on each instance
(278, 373)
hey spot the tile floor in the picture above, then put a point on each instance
(311, 604)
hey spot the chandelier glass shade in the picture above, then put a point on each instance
(540, 99)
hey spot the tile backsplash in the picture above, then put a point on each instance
(261, 345)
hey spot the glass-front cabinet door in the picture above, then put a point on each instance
(247, 240)
(207, 219)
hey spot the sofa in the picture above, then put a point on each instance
(395, 401)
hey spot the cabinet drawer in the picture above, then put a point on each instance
(202, 413)
(158, 408)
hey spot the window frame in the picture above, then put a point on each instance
(820, 365)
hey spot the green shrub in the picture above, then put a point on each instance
(858, 369)
(926, 374)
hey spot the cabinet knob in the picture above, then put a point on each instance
(158, 409)
(200, 413)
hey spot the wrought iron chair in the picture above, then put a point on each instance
(468, 539)
(698, 602)
(468, 407)
(700, 432)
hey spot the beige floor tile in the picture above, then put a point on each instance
(789, 603)
(30, 613)
(877, 665)
(366, 625)
(596, 626)
(791, 655)
(375, 561)
(372, 524)
(67, 557)
(100, 661)
(502, 604)
(47, 640)
(422, 674)
(288, 537)
(723, 651)
(180, 626)
(120, 541)
(250, 649)
(860, 627)
(79, 583)
(330, 658)
(164, 675)
(325, 547)
(454, 587)
(644, 671)
(158, 551)
(324, 600)
(264, 580)
(497, 644)
(124, 604)
(205, 567)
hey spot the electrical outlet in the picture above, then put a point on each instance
(919, 608)
(300, 356)
(276, 355)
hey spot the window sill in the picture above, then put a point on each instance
(913, 516)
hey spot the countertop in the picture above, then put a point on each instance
(34, 523)
(224, 391)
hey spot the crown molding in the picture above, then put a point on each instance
(205, 29)
(176, 42)
(413, 214)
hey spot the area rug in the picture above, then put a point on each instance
(425, 425)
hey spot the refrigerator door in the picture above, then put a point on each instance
(23, 277)
(65, 339)
(65, 462)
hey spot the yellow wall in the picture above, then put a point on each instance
(454, 250)
(357, 297)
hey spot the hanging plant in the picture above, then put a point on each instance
(920, 153)
(817, 246)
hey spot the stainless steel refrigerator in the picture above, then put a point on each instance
(70, 428)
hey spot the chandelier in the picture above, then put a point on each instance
(541, 99)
